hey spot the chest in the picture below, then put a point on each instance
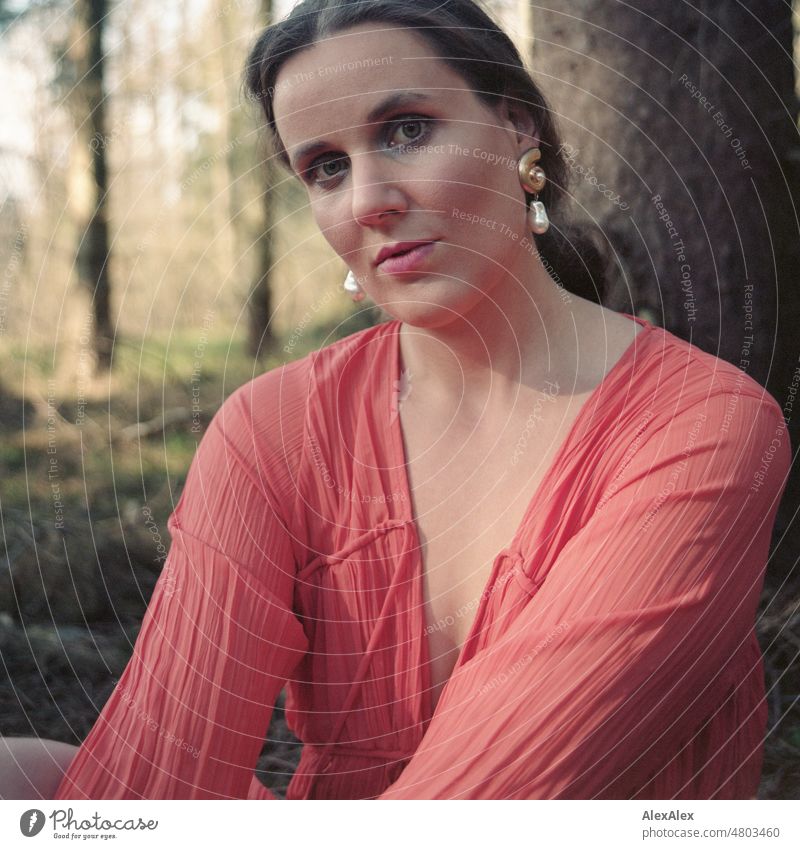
(470, 496)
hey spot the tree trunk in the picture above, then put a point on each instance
(683, 144)
(93, 249)
(261, 338)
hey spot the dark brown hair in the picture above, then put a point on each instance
(474, 46)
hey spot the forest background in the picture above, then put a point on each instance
(152, 260)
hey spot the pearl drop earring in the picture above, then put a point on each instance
(352, 287)
(533, 178)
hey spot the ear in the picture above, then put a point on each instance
(520, 121)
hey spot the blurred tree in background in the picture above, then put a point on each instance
(83, 63)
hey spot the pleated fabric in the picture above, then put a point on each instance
(613, 652)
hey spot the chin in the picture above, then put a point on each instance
(422, 314)
(434, 304)
(418, 315)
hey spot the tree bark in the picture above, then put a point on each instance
(93, 249)
(681, 121)
(261, 337)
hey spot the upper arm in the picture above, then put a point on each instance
(218, 640)
(692, 508)
(617, 657)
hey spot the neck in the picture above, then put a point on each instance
(520, 337)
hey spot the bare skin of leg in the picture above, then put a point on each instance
(32, 768)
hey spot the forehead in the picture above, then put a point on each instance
(335, 82)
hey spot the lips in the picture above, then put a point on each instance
(399, 248)
(408, 262)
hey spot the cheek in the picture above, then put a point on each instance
(480, 201)
(332, 219)
(486, 178)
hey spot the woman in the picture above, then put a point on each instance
(508, 544)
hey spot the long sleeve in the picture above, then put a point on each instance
(218, 641)
(629, 643)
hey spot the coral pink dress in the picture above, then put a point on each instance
(613, 651)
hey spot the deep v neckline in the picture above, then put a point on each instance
(399, 465)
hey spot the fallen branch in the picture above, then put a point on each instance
(142, 430)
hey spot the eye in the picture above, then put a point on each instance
(411, 130)
(408, 131)
(324, 171)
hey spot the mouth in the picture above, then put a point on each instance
(399, 249)
(404, 256)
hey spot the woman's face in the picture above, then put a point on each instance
(394, 147)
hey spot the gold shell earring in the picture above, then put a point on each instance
(532, 178)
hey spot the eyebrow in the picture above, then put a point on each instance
(395, 101)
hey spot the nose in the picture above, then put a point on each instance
(375, 190)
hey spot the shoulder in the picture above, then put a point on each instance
(681, 418)
(256, 439)
(682, 379)
(296, 383)
(712, 421)
(269, 414)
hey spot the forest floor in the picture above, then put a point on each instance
(90, 476)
